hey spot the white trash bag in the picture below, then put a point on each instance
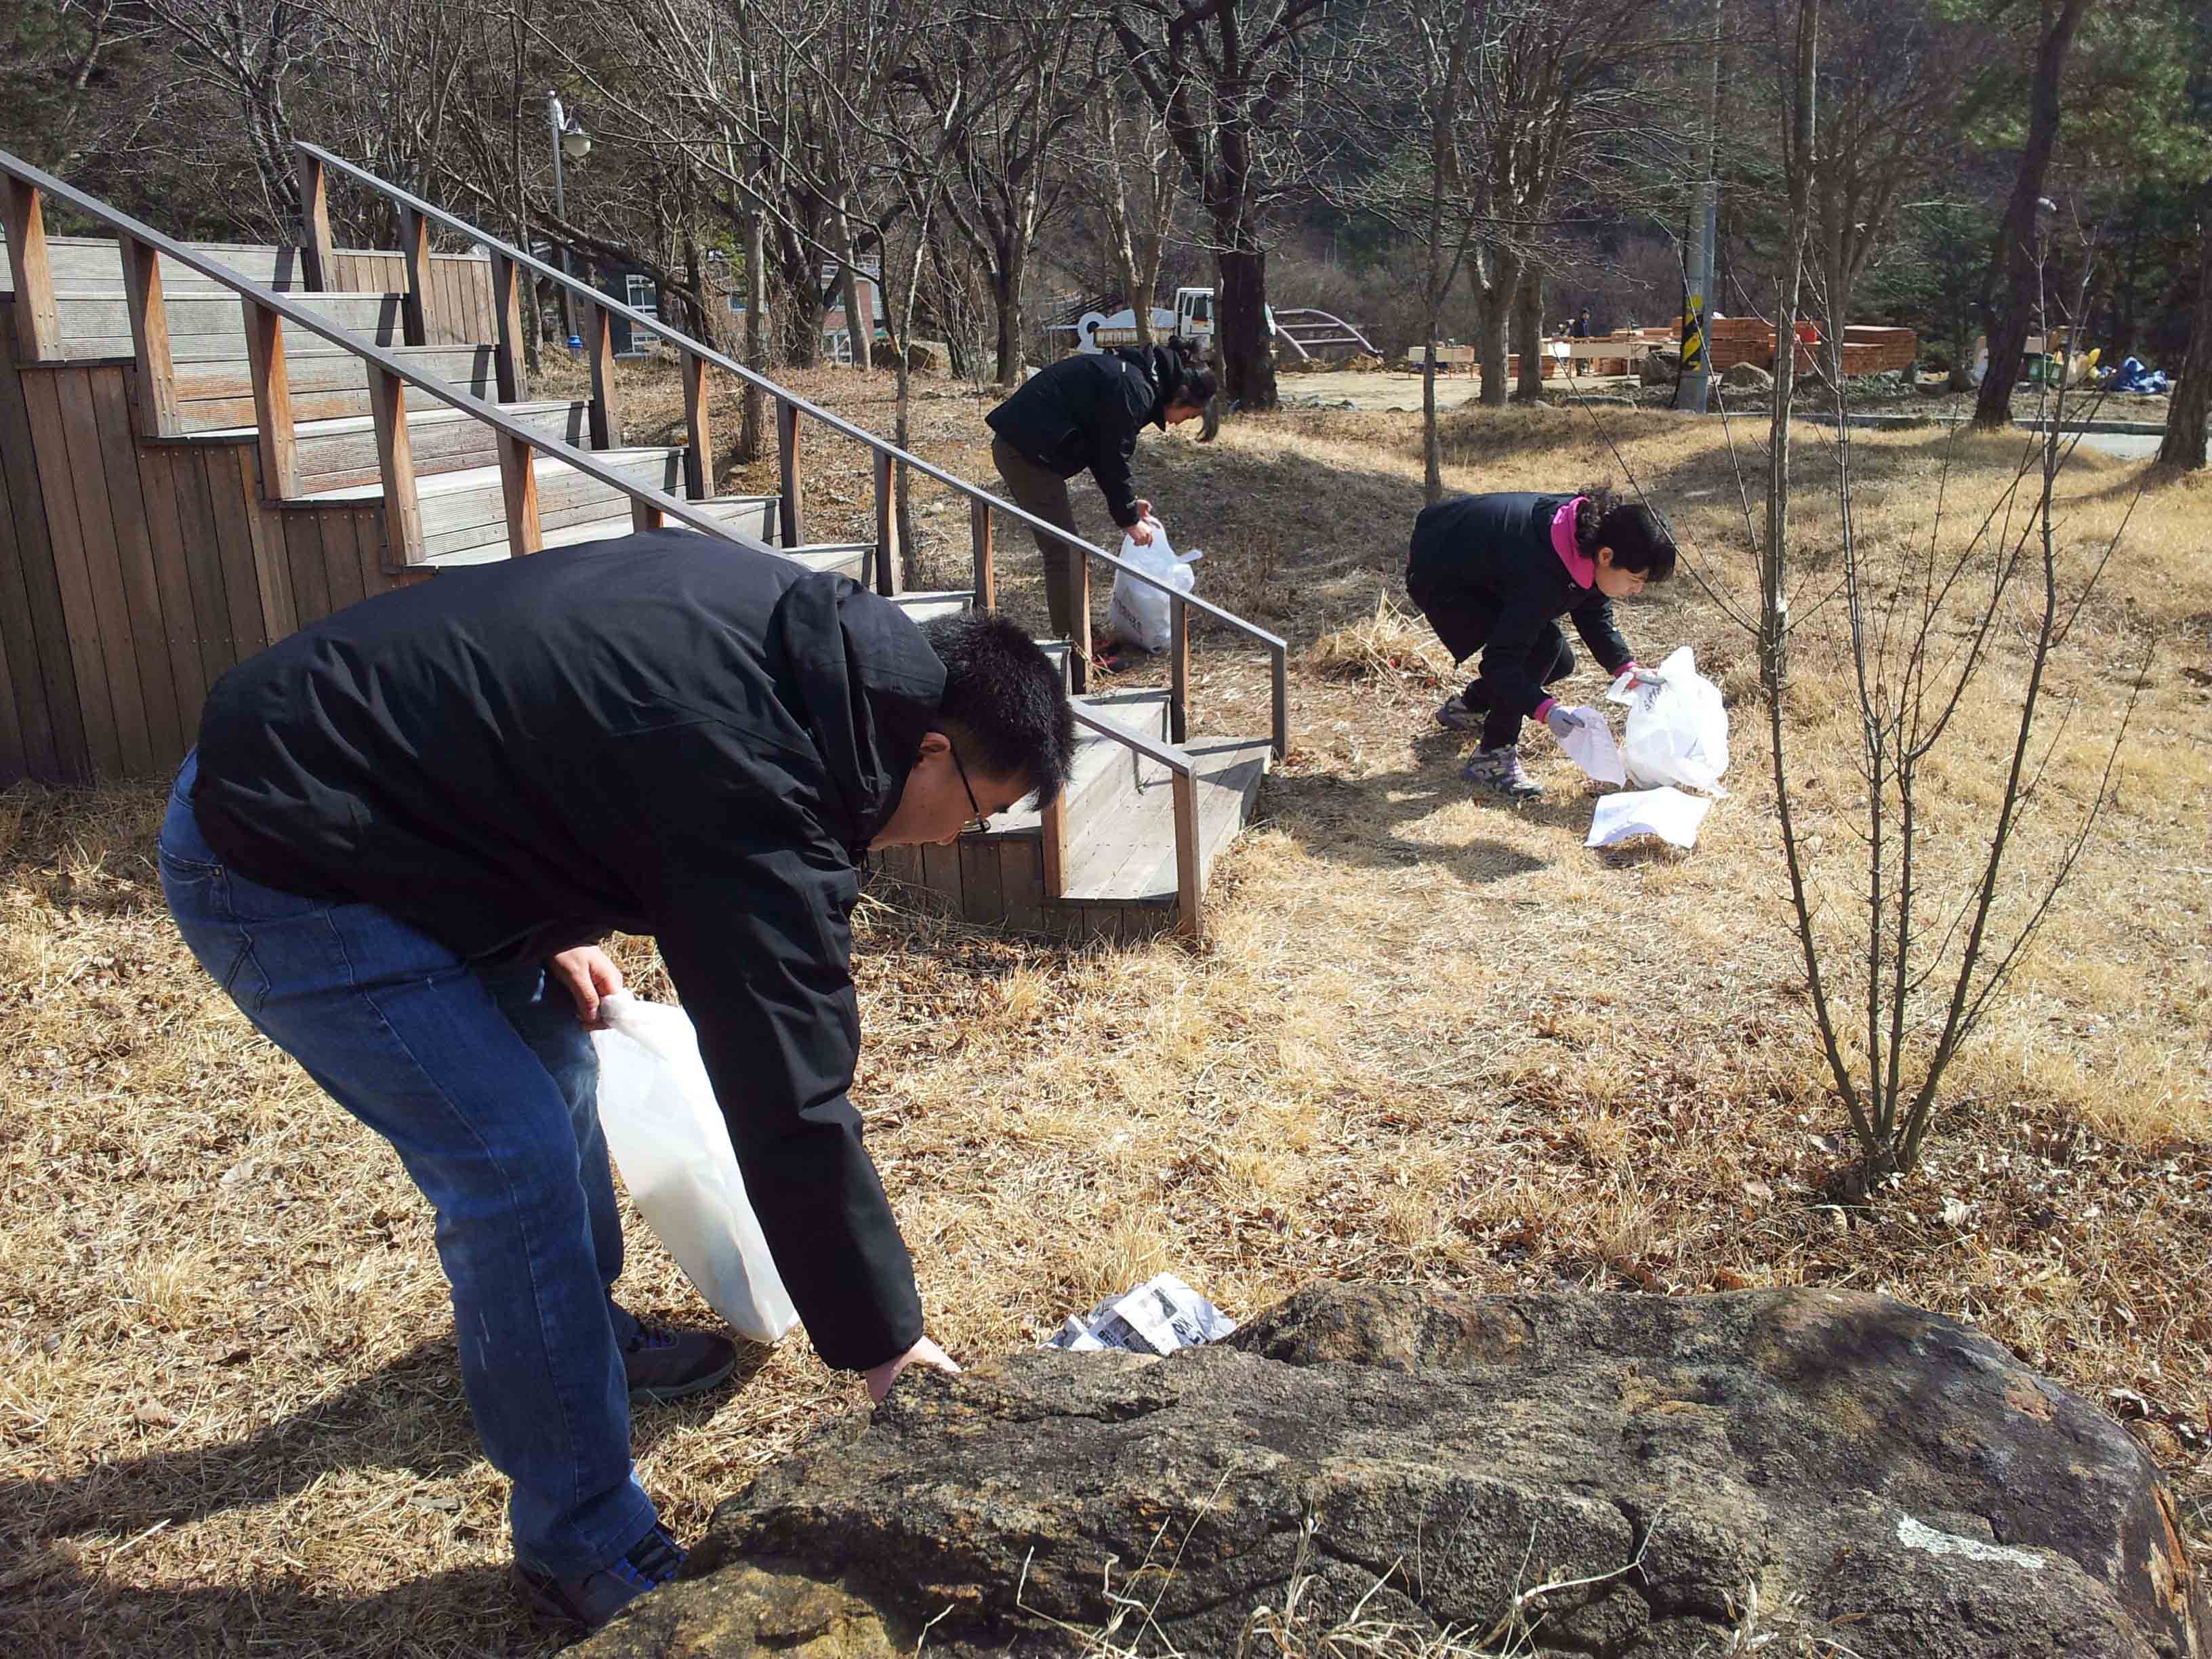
(1140, 612)
(1590, 746)
(670, 1144)
(1677, 731)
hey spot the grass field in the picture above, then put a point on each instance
(1432, 1041)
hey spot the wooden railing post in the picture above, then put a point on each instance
(518, 482)
(1079, 643)
(272, 403)
(1053, 831)
(1178, 668)
(415, 253)
(150, 339)
(890, 574)
(646, 515)
(38, 318)
(318, 256)
(698, 428)
(987, 569)
(1279, 681)
(599, 348)
(507, 313)
(786, 458)
(395, 456)
(1190, 886)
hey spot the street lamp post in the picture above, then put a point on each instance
(572, 143)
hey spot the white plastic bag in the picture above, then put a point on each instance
(673, 1149)
(1590, 746)
(1667, 813)
(1140, 612)
(1677, 728)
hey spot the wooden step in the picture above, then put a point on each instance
(85, 261)
(755, 514)
(1101, 770)
(208, 325)
(921, 607)
(327, 384)
(1126, 856)
(337, 454)
(467, 509)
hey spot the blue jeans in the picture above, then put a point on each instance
(488, 1089)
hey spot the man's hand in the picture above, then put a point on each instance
(924, 1352)
(588, 973)
(1141, 532)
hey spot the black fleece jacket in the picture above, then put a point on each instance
(1492, 555)
(661, 734)
(1086, 411)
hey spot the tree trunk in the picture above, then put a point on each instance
(752, 426)
(859, 331)
(2014, 302)
(1528, 336)
(1006, 299)
(2184, 445)
(1493, 302)
(1248, 355)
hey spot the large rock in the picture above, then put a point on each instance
(1748, 377)
(1685, 1472)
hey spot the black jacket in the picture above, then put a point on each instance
(1086, 410)
(661, 734)
(1494, 553)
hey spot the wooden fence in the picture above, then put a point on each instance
(133, 573)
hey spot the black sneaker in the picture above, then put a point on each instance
(596, 1597)
(663, 1364)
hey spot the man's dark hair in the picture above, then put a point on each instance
(1638, 536)
(1197, 387)
(1003, 694)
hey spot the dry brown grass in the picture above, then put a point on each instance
(1433, 1042)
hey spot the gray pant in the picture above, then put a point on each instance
(1044, 493)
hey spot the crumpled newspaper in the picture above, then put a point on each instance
(1160, 1315)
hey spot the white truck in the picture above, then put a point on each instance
(1193, 318)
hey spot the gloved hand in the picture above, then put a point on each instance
(1563, 720)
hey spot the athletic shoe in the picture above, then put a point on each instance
(1499, 771)
(595, 1597)
(665, 1364)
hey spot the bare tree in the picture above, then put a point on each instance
(2015, 295)
(1225, 78)
(1922, 625)
(1139, 174)
(1548, 96)
(1030, 73)
(1421, 183)
(250, 52)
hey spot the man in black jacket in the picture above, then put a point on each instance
(1085, 411)
(404, 831)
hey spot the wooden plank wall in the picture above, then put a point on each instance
(133, 574)
(999, 884)
(458, 305)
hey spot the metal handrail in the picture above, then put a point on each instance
(676, 337)
(684, 512)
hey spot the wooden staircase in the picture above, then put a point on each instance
(270, 450)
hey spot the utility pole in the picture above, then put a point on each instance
(1703, 262)
(556, 120)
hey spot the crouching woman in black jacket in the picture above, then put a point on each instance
(1085, 411)
(1493, 574)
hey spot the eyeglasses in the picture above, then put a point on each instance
(982, 821)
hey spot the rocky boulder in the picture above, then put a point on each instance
(1599, 1475)
(1748, 377)
(1659, 368)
